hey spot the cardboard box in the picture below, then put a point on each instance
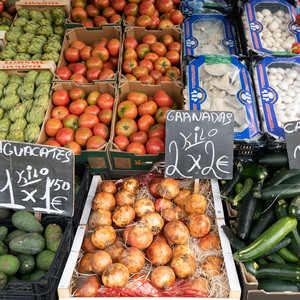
(87, 37)
(121, 160)
(138, 33)
(98, 159)
(65, 285)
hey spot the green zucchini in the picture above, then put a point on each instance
(276, 258)
(281, 191)
(279, 171)
(283, 243)
(282, 176)
(262, 223)
(294, 207)
(261, 261)
(282, 211)
(245, 190)
(238, 187)
(266, 240)
(276, 285)
(292, 180)
(258, 209)
(288, 255)
(234, 241)
(255, 171)
(275, 160)
(230, 185)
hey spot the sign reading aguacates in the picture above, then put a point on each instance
(37, 178)
(199, 144)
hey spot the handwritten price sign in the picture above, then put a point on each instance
(292, 137)
(36, 178)
(199, 144)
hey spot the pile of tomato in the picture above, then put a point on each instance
(141, 125)
(88, 63)
(79, 121)
(153, 14)
(152, 60)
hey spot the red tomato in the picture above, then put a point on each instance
(105, 116)
(155, 145)
(64, 73)
(147, 108)
(167, 39)
(131, 9)
(142, 50)
(130, 77)
(165, 24)
(126, 127)
(156, 13)
(92, 98)
(108, 65)
(99, 23)
(160, 115)
(95, 142)
(79, 68)
(158, 130)
(146, 8)
(140, 71)
(85, 53)
(72, 55)
(88, 120)
(101, 52)
(78, 107)
(162, 64)
(176, 17)
(65, 135)
(164, 6)
(105, 101)
(140, 136)
(82, 134)
(162, 79)
(75, 147)
(128, 65)
(71, 66)
(77, 78)
(145, 123)
(118, 5)
(92, 10)
(102, 130)
(154, 22)
(59, 112)
(77, 93)
(173, 57)
(93, 74)
(155, 74)
(92, 109)
(149, 39)
(146, 63)
(106, 74)
(53, 126)
(127, 109)
(143, 21)
(136, 148)
(131, 20)
(130, 42)
(60, 97)
(158, 48)
(161, 98)
(71, 121)
(173, 73)
(147, 79)
(114, 60)
(137, 97)
(129, 53)
(121, 141)
(108, 12)
(113, 47)
(134, 1)
(174, 46)
(87, 23)
(94, 62)
(101, 42)
(101, 3)
(78, 14)
(77, 45)
(77, 3)
(115, 18)
(50, 142)
(151, 56)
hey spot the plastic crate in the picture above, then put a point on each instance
(46, 287)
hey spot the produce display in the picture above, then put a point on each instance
(79, 121)
(154, 15)
(151, 237)
(23, 103)
(265, 236)
(35, 35)
(7, 12)
(151, 60)
(27, 250)
(87, 63)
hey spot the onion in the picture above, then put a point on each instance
(123, 215)
(198, 224)
(103, 236)
(183, 265)
(99, 217)
(125, 198)
(161, 204)
(131, 184)
(182, 197)
(85, 266)
(108, 187)
(154, 221)
(87, 245)
(159, 253)
(103, 200)
(163, 277)
(183, 250)
(143, 206)
(99, 261)
(168, 188)
(139, 236)
(133, 258)
(115, 275)
(196, 203)
(176, 233)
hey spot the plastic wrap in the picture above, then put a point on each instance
(190, 7)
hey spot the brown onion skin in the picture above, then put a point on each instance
(99, 261)
(131, 184)
(160, 204)
(182, 197)
(154, 221)
(139, 236)
(86, 286)
(125, 197)
(153, 187)
(114, 251)
(199, 284)
(168, 188)
(170, 214)
(196, 203)
(176, 232)
(108, 187)
(183, 250)
(99, 217)
(133, 258)
(143, 207)
(212, 266)
(198, 224)
(163, 277)
(159, 253)
(103, 200)
(123, 215)
(183, 265)
(103, 236)
(87, 245)
(85, 266)
(210, 242)
(115, 275)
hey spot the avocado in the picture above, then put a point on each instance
(3, 248)
(3, 233)
(3, 280)
(27, 263)
(44, 259)
(36, 275)
(53, 235)
(13, 235)
(9, 264)
(25, 220)
(28, 243)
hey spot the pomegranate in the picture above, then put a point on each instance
(198, 224)
(108, 187)
(85, 266)
(182, 214)
(115, 251)
(176, 232)
(87, 245)
(170, 214)
(168, 188)
(103, 236)
(143, 206)
(104, 200)
(125, 198)
(154, 221)
(182, 197)
(212, 266)
(159, 253)
(100, 217)
(183, 250)
(133, 258)
(99, 261)
(139, 236)
(199, 284)
(161, 204)
(115, 275)
(163, 277)
(131, 184)
(196, 203)
(153, 187)
(183, 265)
(210, 242)
(86, 286)
(123, 215)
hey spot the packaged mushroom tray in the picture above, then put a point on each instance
(209, 34)
(270, 26)
(149, 236)
(278, 90)
(222, 83)
(190, 7)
